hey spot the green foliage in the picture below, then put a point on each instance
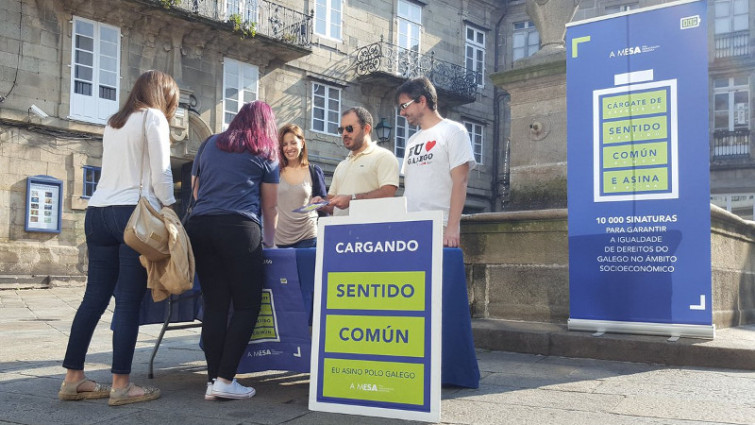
(245, 28)
(170, 3)
(289, 38)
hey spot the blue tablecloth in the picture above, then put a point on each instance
(459, 361)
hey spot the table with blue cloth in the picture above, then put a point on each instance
(458, 364)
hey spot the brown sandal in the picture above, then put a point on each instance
(70, 391)
(120, 396)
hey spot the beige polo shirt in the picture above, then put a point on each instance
(364, 172)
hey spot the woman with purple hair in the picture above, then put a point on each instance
(235, 180)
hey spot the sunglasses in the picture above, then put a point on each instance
(348, 129)
(406, 105)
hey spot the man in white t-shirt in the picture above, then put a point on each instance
(368, 172)
(437, 159)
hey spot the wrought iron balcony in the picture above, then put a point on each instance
(260, 17)
(401, 63)
(731, 144)
(732, 44)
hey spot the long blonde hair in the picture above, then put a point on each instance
(153, 89)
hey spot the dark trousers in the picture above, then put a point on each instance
(228, 253)
(114, 270)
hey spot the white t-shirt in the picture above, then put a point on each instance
(429, 157)
(122, 156)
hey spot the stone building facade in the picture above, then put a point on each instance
(66, 66)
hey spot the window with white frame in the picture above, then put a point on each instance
(404, 131)
(409, 25)
(622, 7)
(732, 103)
(731, 122)
(476, 135)
(95, 66)
(475, 53)
(240, 86)
(91, 178)
(329, 18)
(326, 108)
(526, 39)
(731, 16)
(246, 9)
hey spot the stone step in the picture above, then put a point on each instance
(732, 348)
(13, 282)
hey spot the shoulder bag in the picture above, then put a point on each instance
(145, 231)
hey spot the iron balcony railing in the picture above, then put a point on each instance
(731, 143)
(407, 63)
(259, 16)
(732, 44)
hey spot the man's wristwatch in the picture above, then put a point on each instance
(353, 196)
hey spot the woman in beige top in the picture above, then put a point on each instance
(299, 182)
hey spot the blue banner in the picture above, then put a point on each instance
(638, 172)
(281, 339)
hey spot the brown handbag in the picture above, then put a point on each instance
(145, 231)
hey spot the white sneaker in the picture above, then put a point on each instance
(208, 393)
(234, 390)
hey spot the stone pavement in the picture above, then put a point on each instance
(515, 388)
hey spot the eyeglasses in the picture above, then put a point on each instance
(406, 105)
(348, 128)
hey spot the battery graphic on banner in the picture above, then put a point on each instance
(635, 139)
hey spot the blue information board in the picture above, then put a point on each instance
(44, 204)
(638, 172)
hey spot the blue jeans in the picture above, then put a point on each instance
(114, 270)
(304, 243)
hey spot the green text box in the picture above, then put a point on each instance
(374, 381)
(635, 130)
(263, 320)
(635, 155)
(403, 291)
(637, 180)
(633, 104)
(383, 335)
(263, 333)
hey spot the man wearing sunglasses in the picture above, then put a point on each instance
(437, 159)
(369, 171)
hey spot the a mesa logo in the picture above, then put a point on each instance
(628, 51)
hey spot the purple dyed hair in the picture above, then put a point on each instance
(254, 130)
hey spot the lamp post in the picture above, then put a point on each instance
(383, 130)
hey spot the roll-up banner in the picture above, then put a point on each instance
(638, 172)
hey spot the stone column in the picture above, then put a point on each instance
(537, 89)
(550, 18)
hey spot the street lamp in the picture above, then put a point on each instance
(383, 130)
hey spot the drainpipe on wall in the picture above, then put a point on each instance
(496, 201)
